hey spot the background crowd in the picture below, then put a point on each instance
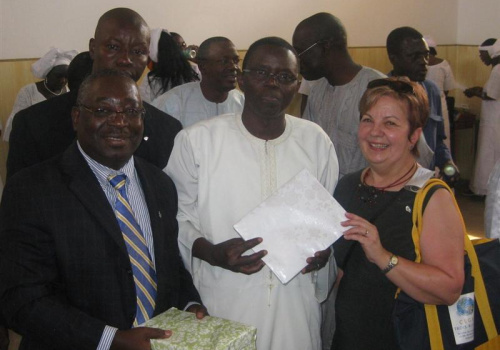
(195, 154)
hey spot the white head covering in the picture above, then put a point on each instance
(153, 44)
(493, 50)
(54, 57)
(430, 41)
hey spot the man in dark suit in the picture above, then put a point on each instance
(67, 279)
(121, 42)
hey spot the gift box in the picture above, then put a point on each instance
(209, 333)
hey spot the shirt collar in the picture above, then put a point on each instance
(102, 172)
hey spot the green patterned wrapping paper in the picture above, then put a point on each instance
(210, 333)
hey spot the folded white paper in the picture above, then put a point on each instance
(301, 218)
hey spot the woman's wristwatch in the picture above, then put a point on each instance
(393, 261)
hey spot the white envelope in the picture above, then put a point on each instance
(301, 218)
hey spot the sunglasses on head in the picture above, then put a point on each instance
(396, 85)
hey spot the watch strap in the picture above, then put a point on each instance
(391, 264)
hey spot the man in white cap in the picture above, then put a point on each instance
(489, 126)
(52, 68)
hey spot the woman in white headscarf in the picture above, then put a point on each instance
(170, 67)
(488, 152)
(52, 68)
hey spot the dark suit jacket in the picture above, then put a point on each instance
(45, 130)
(64, 268)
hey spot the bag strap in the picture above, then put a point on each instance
(482, 300)
(435, 336)
(481, 297)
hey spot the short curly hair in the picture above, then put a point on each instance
(416, 100)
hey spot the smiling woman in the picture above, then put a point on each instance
(398, 106)
(379, 202)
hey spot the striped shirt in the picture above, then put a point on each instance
(139, 207)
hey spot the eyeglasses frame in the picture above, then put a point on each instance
(271, 75)
(114, 113)
(321, 41)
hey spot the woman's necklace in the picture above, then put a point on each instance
(369, 194)
(399, 181)
(52, 92)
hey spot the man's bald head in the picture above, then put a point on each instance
(121, 42)
(325, 26)
(218, 61)
(320, 41)
(123, 16)
(204, 49)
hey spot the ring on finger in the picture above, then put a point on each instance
(366, 233)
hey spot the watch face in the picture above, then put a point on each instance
(394, 260)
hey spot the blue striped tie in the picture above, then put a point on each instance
(140, 259)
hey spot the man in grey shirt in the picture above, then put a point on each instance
(321, 43)
(333, 103)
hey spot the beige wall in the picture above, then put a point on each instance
(477, 21)
(468, 70)
(69, 24)
(13, 75)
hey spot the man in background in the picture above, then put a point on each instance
(121, 42)
(409, 56)
(216, 94)
(321, 44)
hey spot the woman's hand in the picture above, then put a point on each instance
(367, 235)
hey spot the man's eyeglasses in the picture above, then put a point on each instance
(396, 85)
(310, 47)
(223, 61)
(263, 75)
(130, 114)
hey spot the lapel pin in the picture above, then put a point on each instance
(159, 214)
(408, 209)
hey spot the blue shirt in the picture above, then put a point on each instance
(434, 127)
(138, 204)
